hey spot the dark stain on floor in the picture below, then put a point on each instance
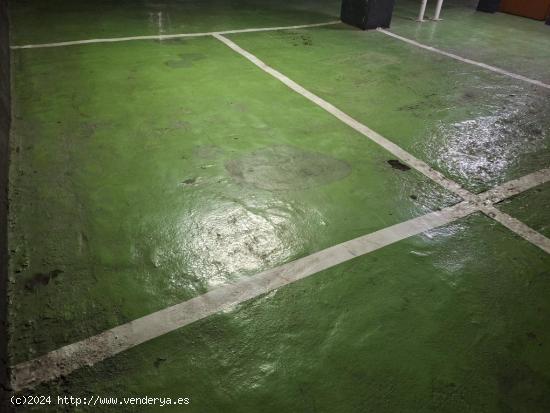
(296, 38)
(41, 278)
(159, 361)
(189, 181)
(396, 164)
(185, 60)
(522, 388)
(285, 167)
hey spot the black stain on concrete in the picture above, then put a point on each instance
(189, 181)
(297, 39)
(41, 279)
(396, 164)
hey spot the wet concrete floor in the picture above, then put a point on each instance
(146, 173)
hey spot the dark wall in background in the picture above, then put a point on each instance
(4, 148)
(489, 6)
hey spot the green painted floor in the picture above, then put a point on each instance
(498, 39)
(479, 128)
(250, 176)
(115, 18)
(451, 322)
(526, 207)
(146, 173)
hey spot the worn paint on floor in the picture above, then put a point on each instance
(68, 20)
(497, 39)
(531, 207)
(146, 173)
(479, 128)
(250, 176)
(450, 321)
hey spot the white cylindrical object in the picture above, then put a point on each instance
(422, 11)
(438, 9)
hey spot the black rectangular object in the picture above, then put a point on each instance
(367, 14)
(488, 6)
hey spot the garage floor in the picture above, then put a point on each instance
(279, 220)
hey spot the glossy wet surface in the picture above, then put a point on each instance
(172, 190)
(146, 173)
(423, 325)
(497, 39)
(477, 127)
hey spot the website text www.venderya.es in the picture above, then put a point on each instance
(98, 401)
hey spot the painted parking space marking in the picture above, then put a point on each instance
(391, 147)
(532, 236)
(515, 186)
(108, 343)
(167, 36)
(262, 29)
(465, 60)
(94, 349)
(518, 227)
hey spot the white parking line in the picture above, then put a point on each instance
(465, 60)
(167, 36)
(111, 342)
(94, 349)
(532, 236)
(518, 227)
(391, 147)
(515, 186)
